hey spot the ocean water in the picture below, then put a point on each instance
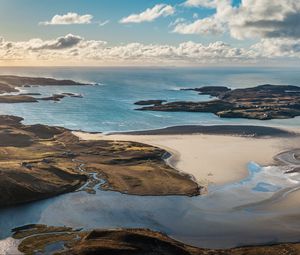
(109, 106)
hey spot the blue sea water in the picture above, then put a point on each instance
(109, 106)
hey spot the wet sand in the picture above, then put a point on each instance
(211, 159)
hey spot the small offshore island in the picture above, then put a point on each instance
(263, 102)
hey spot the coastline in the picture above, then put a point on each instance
(207, 154)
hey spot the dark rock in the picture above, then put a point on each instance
(150, 102)
(55, 97)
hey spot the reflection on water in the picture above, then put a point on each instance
(226, 217)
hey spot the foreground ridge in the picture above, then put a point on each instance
(37, 238)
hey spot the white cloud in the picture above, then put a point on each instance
(177, 21)
(201, 3)
(103, 23)
(69, 19)
(279, 47)
(266, 19)
(75, 50)
(150, 14)
(215, 24)
(201, 26)
(251, 19)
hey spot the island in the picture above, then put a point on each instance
(9, 84)
(39, 161)
(262, 102)
(36, 239)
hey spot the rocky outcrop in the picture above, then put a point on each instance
(150, 102)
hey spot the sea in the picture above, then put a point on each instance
(228, 216)
(108, 105)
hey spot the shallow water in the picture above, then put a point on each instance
(223, 218)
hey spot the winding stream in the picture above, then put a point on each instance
(227, 216)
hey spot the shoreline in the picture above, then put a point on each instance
(208, 157)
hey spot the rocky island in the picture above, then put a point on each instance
(263, 102)
(9, 84)
(39, 161)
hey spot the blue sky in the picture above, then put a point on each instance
(149, 32)
(19, 20)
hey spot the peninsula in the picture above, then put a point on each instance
(39, 161)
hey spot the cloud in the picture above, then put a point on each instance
(251, 19)
(69, 19)
(75, 50)
(150, 14)
(208, 25)
(266, 19)
(201, 3)
(215, 24)
(280, 47)
(103, 23)
(60, 43)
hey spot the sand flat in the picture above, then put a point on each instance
(211, 159)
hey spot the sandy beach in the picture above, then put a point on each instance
(210, 159)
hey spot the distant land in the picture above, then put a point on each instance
(10, 83)
(263, 102)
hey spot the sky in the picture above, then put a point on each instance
(149, 32)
